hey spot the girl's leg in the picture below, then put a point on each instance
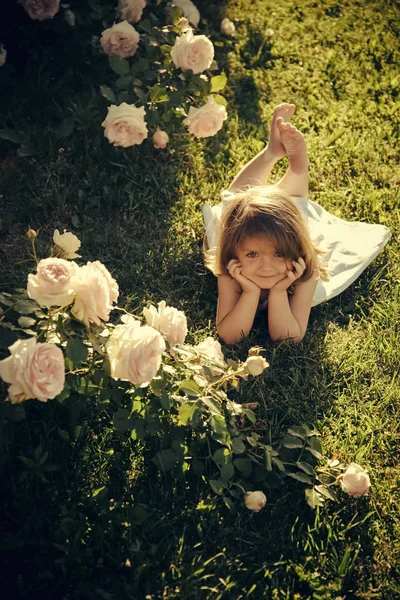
(256, 171)
(295, 180)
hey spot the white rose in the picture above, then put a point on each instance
(135, 352)
(355, 481)
(41, 9)
(3, 55)
(124, 125)
(53, 284)
(160, 139)
(68, 243)
(189, 10)
(170, 321)
(121, 39)
(212, 348)
(207, 120)
(131, 10)
(227, 26)
(194, 52)
(255, 501)
(95, 291)
(255, 365)
(33, 371)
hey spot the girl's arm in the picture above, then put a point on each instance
(288, 317)
(236, 309)
(255, 172)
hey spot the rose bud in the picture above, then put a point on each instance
(255, 501)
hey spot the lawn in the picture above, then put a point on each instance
(138, 210)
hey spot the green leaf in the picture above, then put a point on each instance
(26, 150)
(101, 493)
(278, 463)
(140, 94)
(190, 387)
(212, 405)
(138, 514)
(124, 81)
(221, 456)
(76, 350)
(220, 100)
(25, 307)
(16, 413)
(218, 82)
(158, 93)
(145, 26)
(305, 467)
(243, 465)
(119, 65)
(217, 486)
(107, 93)
(65, 128)
(291, 442)
(327, 492)
(314, 446)
(12, 136)
(185, 413)
(314, 498)
(298, 431)
(121, 420)
(164, 400)
(303, 477)
(250, 415)
(227, 471)
(165, 460)
(238, 447)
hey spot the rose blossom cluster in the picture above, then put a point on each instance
(169, 321)
(90, 289)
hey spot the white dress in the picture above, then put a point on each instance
(350, 246)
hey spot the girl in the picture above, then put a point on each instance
(263, 243)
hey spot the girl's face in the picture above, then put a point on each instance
(261, 263)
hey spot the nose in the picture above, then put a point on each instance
(266, 264)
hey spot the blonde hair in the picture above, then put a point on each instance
(265, 211)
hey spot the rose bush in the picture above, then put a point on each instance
(151, 383)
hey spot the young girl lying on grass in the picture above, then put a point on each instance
(266, 244)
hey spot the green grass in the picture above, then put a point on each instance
(139, 212)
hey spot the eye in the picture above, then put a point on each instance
(251, 255)
(278, 255)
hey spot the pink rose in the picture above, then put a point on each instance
(135, 352)
(41, 9)
(207, 120)
(131, 10)
(169, 321)
(124, 125)
(53, 284)
(255, 501)
(95, 292)
(121, 39)
(160, 139)
(355, 481)
(33, 370)
(194, 52)
(189, 10)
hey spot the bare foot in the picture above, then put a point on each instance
(285, 112)
(295, 146)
